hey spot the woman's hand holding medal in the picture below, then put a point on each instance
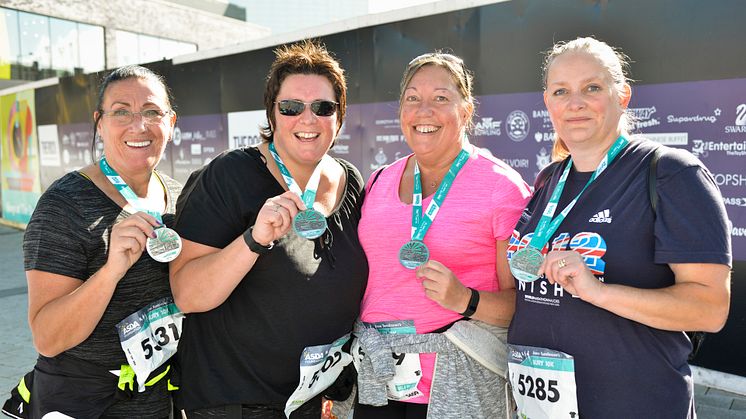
(442, 286)
(275, 217)
(128, 241)
(568, 269)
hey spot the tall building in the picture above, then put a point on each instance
(46, 38)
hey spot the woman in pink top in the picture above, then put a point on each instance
(462, 234)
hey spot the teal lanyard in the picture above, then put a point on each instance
(421, 224)
(547, 226)
(137, 203)
(309, 195)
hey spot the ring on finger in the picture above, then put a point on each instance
(562, 263)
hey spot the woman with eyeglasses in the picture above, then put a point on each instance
(95, 252)
(271, 264)
(435, 230)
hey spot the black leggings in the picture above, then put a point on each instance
(393, 410)
(309, 410)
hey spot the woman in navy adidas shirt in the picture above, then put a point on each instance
(606, 289)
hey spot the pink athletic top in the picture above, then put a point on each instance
(482, 206)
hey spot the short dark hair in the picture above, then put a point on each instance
(119, 74)
(305, 57)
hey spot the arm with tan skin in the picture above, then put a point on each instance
(699, 299)
(203, 277)
(55, 299)
(442, 286)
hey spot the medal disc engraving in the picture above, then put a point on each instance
(525, 263)
(309, 224)
(413, 254)
(165, 247)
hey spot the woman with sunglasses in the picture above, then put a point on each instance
(435, 230)
(271, 262)
(91, 263)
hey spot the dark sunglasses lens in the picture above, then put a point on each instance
(290, 107)
(323, 107)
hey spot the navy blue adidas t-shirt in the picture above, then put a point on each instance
(623, 369)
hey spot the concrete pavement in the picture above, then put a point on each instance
(17, 353)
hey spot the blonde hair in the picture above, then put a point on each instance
(462, 78)
(616, 64)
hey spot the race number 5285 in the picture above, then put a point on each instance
(538, 389)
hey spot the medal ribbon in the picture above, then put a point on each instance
(547, 226)
(309, 195)
(127, 192)
(421, 224)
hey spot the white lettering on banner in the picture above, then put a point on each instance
(669, 138)
(736, 202)
(488, 127)
(517, 162)
(642, 113)
(543, 113)
(738, 231)
(730, 179)
(672, 119)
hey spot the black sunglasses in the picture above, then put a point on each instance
(292, 107)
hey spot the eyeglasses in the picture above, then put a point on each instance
(292, 107)
(149, 116)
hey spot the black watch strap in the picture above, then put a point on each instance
(473, 303)
(253, 245)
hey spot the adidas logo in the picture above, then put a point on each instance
(601, 217)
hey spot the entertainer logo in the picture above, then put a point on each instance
(488, 127)
(702, 148)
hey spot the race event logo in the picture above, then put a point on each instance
(488, 127)
(642, 117)
(740, 124)
(518, 125)
(702, 148)
(685, 119)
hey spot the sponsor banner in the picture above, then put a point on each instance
(707, 118)
(19, 180)
(195, 142)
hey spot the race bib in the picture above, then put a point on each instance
(319, 368)
(408, 370)
(149, 337)
(543, 382)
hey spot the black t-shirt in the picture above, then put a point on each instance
(302, 293)
(68, 234)
(623, 369)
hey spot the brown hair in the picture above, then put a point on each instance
(612, 60)
(462, 78)
(305, 57)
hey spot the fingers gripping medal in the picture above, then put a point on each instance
(525, 263)
(166, 246)
(415, 252)
(309, 224)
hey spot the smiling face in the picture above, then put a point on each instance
(304, 139)
(583, 104)
(134, 148)
(433, 114)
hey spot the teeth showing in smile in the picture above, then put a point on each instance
(306, 135)
(425, 129)
(138, 144)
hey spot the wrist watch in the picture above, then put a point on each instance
(473, 303)
(253, 245)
